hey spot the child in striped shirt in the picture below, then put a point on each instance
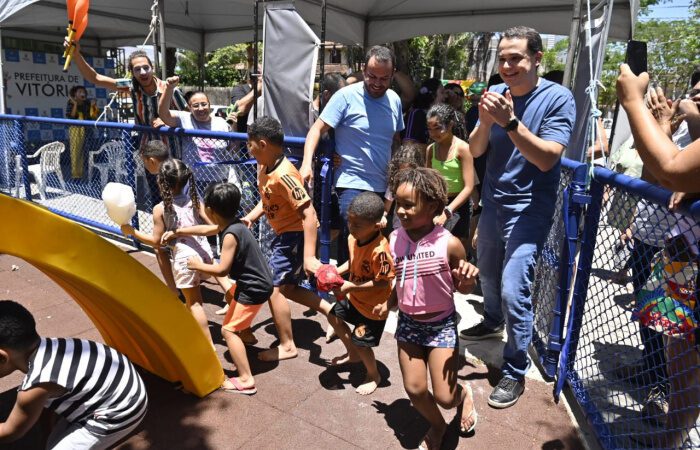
(95, 390)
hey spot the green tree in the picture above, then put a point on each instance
(552, 59)
(221, 67)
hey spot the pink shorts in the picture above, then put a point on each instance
(187, 278)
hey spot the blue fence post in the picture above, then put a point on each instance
(326, 174)
(131, 180)
(578, 300)
(576, 197)
(22, 150)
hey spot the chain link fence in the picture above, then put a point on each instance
(632, 357)
(64, 165)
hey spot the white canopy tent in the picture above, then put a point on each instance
(207, 25)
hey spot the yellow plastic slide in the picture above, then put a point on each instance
(133, 310)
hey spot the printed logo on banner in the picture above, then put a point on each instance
(31, 111)
(100, 93)
(25, 56)
(98, 63)
(39, 57)
(57, 113)
(90, 92)
(52, 59)
(11, 55)
(59, 134)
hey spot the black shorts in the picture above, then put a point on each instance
(367, 332)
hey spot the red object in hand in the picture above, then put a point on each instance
(328, 279)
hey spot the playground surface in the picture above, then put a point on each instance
(301, 403)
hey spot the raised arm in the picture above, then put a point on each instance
(165, 101)
(676, 170)
(88, 72)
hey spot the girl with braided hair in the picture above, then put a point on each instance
(450, 155)
(179, 210)
(430, 265)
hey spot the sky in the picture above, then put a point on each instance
(672, 10)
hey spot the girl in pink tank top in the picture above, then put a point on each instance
(430, 264)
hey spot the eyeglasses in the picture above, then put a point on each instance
(142, 69)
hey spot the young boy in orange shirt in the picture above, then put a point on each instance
(371, 270)
(291, 215)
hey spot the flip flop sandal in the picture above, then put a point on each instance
(238, 389)
(470, 394)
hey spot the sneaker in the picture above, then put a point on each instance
(479, 332)
(655, 407)
(506, 393)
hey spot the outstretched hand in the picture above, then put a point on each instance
(630, 87)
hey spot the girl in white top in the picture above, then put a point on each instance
(177, 210)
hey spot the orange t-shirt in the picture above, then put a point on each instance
(282, 193)
(371, 261)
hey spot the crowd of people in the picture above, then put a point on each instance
(415, 162)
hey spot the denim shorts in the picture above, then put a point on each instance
(287, 257)
(439, 334)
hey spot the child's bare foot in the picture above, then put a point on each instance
(368, 386)
(433, 439)
(344, 359)
(330, 333)
(277, 354)
(222, 311)
(247, 337)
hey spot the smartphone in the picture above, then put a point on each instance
(636, 56)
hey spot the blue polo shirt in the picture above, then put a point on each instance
(512, 182)
(364, 130)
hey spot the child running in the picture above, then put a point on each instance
(430, 264)
(371, 270)
(95, 390)
(409, 156)
(291, 214)
(179, 210)
(242, 258)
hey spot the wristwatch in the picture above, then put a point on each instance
(448, 212)
(511, 125)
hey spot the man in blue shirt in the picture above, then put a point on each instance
(366, 118)
(527, 121)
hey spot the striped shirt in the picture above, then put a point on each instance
(104, 394)
(146, 107)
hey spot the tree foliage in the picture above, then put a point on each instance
(673, 47)
(220, 66)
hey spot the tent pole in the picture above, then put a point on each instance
(573, 43)
(202, 57)
(322, 62)
(2, 79)
(161, 38)
(254, 70)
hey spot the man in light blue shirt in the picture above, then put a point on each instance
(527, 122)
(366, 118)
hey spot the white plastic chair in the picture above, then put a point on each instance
(115, 155)
(49, 162)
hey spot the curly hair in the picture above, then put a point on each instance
(409, 155)
(446, 115)
(172, 178)
(428, 182)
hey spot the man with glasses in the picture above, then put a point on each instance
(145, 87)
(367, 119)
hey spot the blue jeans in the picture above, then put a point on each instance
(508, 245)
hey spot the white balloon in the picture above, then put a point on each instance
(120, 202)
